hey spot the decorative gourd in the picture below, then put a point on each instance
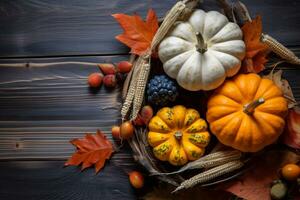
(247, 112)
(201, 52)
(178, 135)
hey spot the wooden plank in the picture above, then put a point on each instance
(37, 180)
(44, 27)
(49, 28)
(48, 180)
(43, 108)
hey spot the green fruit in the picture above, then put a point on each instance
(278, 191)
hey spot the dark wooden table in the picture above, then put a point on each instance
(43, 107)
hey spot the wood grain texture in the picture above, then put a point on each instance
(43, 108)
(54, 27)
(73, 27)
(48, 180)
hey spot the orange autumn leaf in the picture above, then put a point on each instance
(256, 51)
(138, 34)
(93, 149)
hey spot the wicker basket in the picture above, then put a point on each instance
(219, 164)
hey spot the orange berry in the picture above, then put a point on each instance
(95, 80)
(107, 68)
(136, 179)
(290, 172)
(126, 130)
(115, 131)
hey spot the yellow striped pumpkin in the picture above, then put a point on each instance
(178, 135)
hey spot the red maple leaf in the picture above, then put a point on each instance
(138, 34)
(93, 149)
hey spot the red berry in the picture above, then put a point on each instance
(146, 113)
(95, 80)
(138, 121)
(136, 179)
(124, 67)
(110, 81)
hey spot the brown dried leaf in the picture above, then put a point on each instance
(284, 85)
(256, 51)
(291, 136)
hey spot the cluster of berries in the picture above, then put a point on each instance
(112, 74)
(161, 90)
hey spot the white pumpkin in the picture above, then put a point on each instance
(201, 52)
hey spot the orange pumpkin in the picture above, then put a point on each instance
(247, 112)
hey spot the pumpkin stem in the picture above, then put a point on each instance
(250, 107)
(201, 45)
(178, 135)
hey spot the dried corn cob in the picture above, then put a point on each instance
(132, 87)
(209, 161)
(179, 10)
(168, 22)
(219, 154)
(132, 60)
(126, 85)
(280, 50)
(140, 87)
(210, 175)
